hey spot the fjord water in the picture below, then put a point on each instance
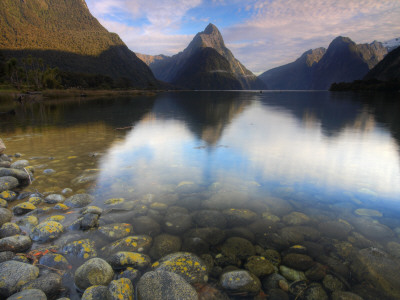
(332, 157)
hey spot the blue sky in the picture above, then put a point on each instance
(261, 33)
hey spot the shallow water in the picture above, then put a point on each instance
(332, 157)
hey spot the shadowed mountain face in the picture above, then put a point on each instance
(319, 68)
(388, 68)
(65, 30)
(218, 60)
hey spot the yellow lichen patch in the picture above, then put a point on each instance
(57, 218)
(26, 205)
(35, 200)
(114, 201)
(59, 258)
(155, 264)
(61, 206)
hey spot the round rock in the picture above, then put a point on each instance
(23, 208)
(164, 285)
(259, 266)
(9, 196)
(134, 243)
(177, 223)
(20, 164)
(124, 259)
(164, 244)
(240, 281)
(239, 217)
(115, 231)
(95, 292)
(16, 243)
(5, 216)
(46, 231)
(54, 260)
(298, 261)
(239, 247)
(49, 283)
(210, 218)
(9, 229)
(13, 275)
(95, 271)
(31, 294)
(79, 200)
(121, 289)
(8, 183)
(82, 249)
(54, 198)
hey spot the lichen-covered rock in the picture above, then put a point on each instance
(177, 223)
(35, 200)
(164, 244)
(31, 294)
(240, 281)
(8, 195)
(115, 231)
(79, 200)
(121, 289)
(238, 247)
(210, 218)
(95, 292)
(239, 217)
(29, 222)
(23, 208)
(54, 260)
(82, 249)
(54, 199)
(134, 243)
(46, 231)
(3, 203)
(20, 164)
(8, 183)
(89, 221)
(146, 225)
(9, 229)
(130, 273)
(259, 266)
(124, 259)
(49, 283)
(16, 243)
(291, 274)
(95, 271)
(5, 216)
(164, 285)
(91, 210)
(185, 264)
(298, 261)
(57, 218)
(13, 275)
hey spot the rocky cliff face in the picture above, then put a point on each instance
(66, 35)
(170, 69)
(319, 68)
(388, 68)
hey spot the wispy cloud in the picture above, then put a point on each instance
(262, 34)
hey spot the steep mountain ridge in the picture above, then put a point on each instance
(388, 68)
(65, 35)
(170, 68)
(344, 60)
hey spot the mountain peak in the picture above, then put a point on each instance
(210, 29)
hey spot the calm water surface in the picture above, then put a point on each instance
(332, 157)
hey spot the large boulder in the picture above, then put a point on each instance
(164, 285)
(13, 275)
(7, 183)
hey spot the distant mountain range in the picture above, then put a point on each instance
(205, 64)
(317, 69)
(65, 35)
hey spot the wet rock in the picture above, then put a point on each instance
(272, 256)
(130, 273)
(274, 281)
(336, 265)
(79, 200)
(49, 283)
(54, 199)
(372, 229)
(164, 285)
(23, 208)
(46, 231)
(20, 164)
(273, 240)
(240, 281)
(241, 232)
(239, 217)
(298, 261)
(115, 231)
(209, 218)
(317, 272)
(342, 295)
(277, 294)
(297, 288)
(13, 275)
(35, 200)
(95, 271)
(9, 229)
(278, 206)
(335, 229)
(28, 222)
(21, 176)
(270, 217)
(66, 191)
(16, 243)
(296, 218)
(211, 235)
(379, 270)
(146, 225)
(368, 212)
(89, 221)
(95, 292)
(55, 261)
(309, 233)
(291, 235)
(75, 225)
(262, 227)
(392, 247)
(134, 243)
(91, 210)
(185, 264)
(7, 183)
(331, 283)
(124, 259)
(259, 266)
(31, 294)
(3, 203)
(121, 289)
(49, 171)
(114, 201)
(6, 255)
(164, 244)
(82, 249)
(315, 292)
(291, 274)
(177, 223)
(9, 196)
(85, 177)
(239, 247)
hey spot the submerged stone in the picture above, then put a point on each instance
(164, 285)
(239, 217)
(240, 281)
(3, 203)
(124, 259)
(185, 264)
(291, 274)
(134, 243)
(9, 229)
(121, 289)
(5, 216)
(79, 200)
(259, 266)
(16, 243)
(296, 218)
(82, 249)
(8, 195)
(54, 199)
(164, 244)
(31, 294)
(23, 208)
(114, 201)
(28, 221)
(8, 183)
(46, 231)
(298, 261)
(49, 283)
(95, 292)
(238, 247)
(177, 223)
(115, 231)
(95, 271)
(54, 260)
(91, 210)
(368, 212)
(13, 275)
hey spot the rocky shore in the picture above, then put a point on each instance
(60, 246)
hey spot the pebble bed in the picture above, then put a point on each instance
(65, 246)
